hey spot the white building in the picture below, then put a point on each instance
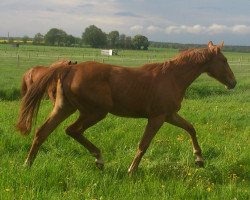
(107, 52)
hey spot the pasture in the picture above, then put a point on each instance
(64, 170)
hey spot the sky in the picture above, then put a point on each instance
(181, 21)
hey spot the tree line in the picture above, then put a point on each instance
(92, 36)
(171, 45)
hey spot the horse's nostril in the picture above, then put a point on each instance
(232, 84)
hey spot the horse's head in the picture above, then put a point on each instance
(71, 63)
(218, 67)
(63, 63)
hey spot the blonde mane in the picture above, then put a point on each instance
(194, 56)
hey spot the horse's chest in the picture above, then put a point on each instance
(165, 103)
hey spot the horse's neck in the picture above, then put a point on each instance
(186, 74)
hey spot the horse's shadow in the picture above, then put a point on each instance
(211, 153)
(212, 171)
(10, 95)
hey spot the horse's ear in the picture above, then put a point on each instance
(212, 48)
(210, 44)
(221, 45)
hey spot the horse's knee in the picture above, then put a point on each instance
(191, 129)
(73, 131)
(40, 136)
(69, 131)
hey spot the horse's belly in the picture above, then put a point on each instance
(126, 111)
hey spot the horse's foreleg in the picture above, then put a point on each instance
(152, 127)
(177, 120)
(77, 128)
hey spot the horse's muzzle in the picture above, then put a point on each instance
(231, 84)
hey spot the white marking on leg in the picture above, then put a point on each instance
(99, 161)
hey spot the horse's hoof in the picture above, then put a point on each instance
(27, 164)
(199, 163)
(99, 165)
(131, 171)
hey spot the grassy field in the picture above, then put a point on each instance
(65, 170)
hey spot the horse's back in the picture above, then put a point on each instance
(120, 90)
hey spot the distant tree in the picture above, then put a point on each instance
(25, 39)
(140, 42)
(122, 38)
(128, 42)
(56, 37)
(78, 41)
(113, 39)
(94, 37)
(70, 40)
(38, 39)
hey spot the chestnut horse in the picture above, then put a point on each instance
(35, 72)
(153, 91)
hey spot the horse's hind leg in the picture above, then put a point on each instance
(76, 132)
(177, 120)
(56, 117)
(61, 111)
(52, 92)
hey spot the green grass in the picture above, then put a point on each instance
(64, 170)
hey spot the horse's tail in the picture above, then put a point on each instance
(26, 82)
(23, 86)
(31, 101)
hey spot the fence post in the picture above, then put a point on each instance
(18, 59)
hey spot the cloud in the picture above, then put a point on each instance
(136, 28)
(213, 29)
(216, 29)
(241, 29)
(153, 29)
(173, 30)
(196, 29)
